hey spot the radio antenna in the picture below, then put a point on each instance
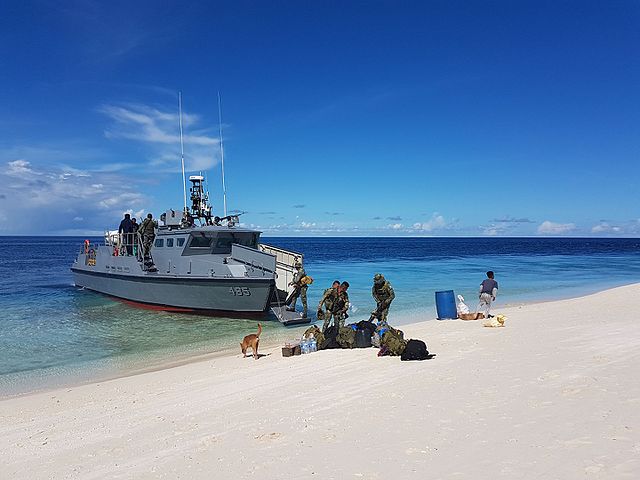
(184, 181)
(224, 188)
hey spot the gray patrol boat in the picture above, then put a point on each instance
(197, 263)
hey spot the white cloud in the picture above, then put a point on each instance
(136, 214)
(604, 227)
(551, 228)
(125, 198)
(19, 168)
(45, 199)
(395, 226)
(492, 230)
(436, 222)
(114, 167)
(159, 130)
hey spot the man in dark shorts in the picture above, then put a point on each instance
(488, 291)
(126, 230)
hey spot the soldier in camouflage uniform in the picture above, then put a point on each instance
(300, 290)
(341, 305)
(328, 299)
(148, 231)
(383, 294)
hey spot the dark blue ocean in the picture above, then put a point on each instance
(52, 333)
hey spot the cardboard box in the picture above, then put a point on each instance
(291, 349)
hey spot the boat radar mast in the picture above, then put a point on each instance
(200, 208)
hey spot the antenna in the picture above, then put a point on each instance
(224, 188)
(184, 181)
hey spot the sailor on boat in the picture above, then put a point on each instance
(148, 232)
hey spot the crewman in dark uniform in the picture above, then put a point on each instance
(341, 305)
(329, 297)
(300, 289)
(148, 231)
(383, 294)
(126, 233)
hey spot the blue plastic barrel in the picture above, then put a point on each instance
(446, 305)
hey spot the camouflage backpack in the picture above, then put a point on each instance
(316, 333)
(347, 337)
(394, 342)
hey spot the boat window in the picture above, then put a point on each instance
(180, 242)
(201, 243)
(248, 239)
(223, 243)
(200, 240)
(169, 242)
(159, 243)
(226, 239)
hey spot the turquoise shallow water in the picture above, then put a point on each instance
(52, 333)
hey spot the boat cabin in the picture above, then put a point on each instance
(205, 240)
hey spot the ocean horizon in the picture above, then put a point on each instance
(53, 333)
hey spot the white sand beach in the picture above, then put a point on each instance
(555, 394)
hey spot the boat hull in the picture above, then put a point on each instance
(191, 294)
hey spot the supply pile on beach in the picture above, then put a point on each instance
(334, 305)
(364, 334)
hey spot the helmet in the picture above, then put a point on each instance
(378, 278)
(298, 264)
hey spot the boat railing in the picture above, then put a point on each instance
(123, 244)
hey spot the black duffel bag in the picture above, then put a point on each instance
(330, 339)
(363, 339)
(415, 350)
(367, 326)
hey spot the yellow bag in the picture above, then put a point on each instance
(306, 280)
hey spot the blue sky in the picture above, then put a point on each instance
(340, 118)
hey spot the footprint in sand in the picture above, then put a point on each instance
(570, 391)
(579, 442)
(414, 451)
(268, 436)
(329, 437)
(209, 440)
(594, 468)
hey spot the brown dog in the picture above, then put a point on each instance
(251, 341)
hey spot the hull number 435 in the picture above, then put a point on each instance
(240, 291)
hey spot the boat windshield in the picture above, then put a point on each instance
(201, 243)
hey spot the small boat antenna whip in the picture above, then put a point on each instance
(224, 188)
(184, 181)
